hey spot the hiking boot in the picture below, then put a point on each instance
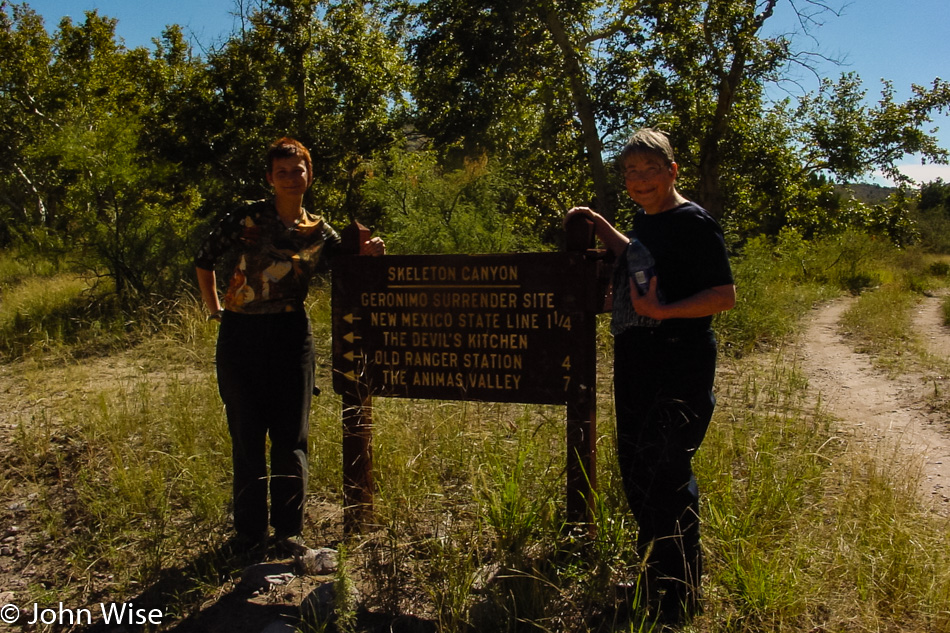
(290, 545)
(245, 545)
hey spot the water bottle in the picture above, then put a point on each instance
(640, 265)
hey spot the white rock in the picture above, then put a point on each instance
(318, 562)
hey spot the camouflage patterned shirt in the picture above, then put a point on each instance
(270, 266)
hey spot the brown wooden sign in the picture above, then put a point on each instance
(499, 328)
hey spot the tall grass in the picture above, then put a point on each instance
(36, 312)
(132, 473)
(779, 280)
(46, 308)
(881, 324)
(808, 531)
(803, 530)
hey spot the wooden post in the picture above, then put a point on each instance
(353, 238)
(582, 407)
(579, 233)
(582, 445)
(358, 485)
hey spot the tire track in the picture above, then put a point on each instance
(928, 320)
(890, 416)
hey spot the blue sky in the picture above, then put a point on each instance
(906, 42)
(204, 21)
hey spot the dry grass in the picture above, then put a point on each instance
(118, 470)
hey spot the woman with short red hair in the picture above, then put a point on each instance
(270, 250)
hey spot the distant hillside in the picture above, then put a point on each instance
(868, 194)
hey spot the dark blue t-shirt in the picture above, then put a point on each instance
(690, 254)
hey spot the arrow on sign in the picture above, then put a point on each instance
(349, 338)
(349, 318)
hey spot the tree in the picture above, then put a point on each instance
(126, 218)
(427, 209)
(127, 223)
(323, 72)
(935, 196)
(26, 113)
(706, 65)
(115, 147)
(73, 106)
(842, 135)
(616, 64)
(516, 80)
(933, 210)
(697, 69)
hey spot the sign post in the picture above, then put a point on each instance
(497, 328)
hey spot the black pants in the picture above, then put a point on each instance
(663, 391)
(265, 367)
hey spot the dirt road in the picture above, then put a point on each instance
(891, 415)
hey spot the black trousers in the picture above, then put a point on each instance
(265, 366)
(663, 383)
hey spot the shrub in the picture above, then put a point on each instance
(426, 209)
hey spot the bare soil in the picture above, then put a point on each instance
(894, 416)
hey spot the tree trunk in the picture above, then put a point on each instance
(730, 79)
(584, 108)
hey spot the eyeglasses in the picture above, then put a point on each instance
(646, 174)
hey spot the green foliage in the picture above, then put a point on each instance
(935, 195)
(125, 224)
(97, 196)
(504, 78)
(428, 210)
(778, 280)
(939, 269)
(933, 216)
(775, 286)
(323, 72)
(27, 98)
(652, 64)
(110, 155)
(840, 134)
(851, 261)
(118, 150)
(45, 306)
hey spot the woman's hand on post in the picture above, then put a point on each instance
(613, 239)
(374, 247)
(585, 211)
